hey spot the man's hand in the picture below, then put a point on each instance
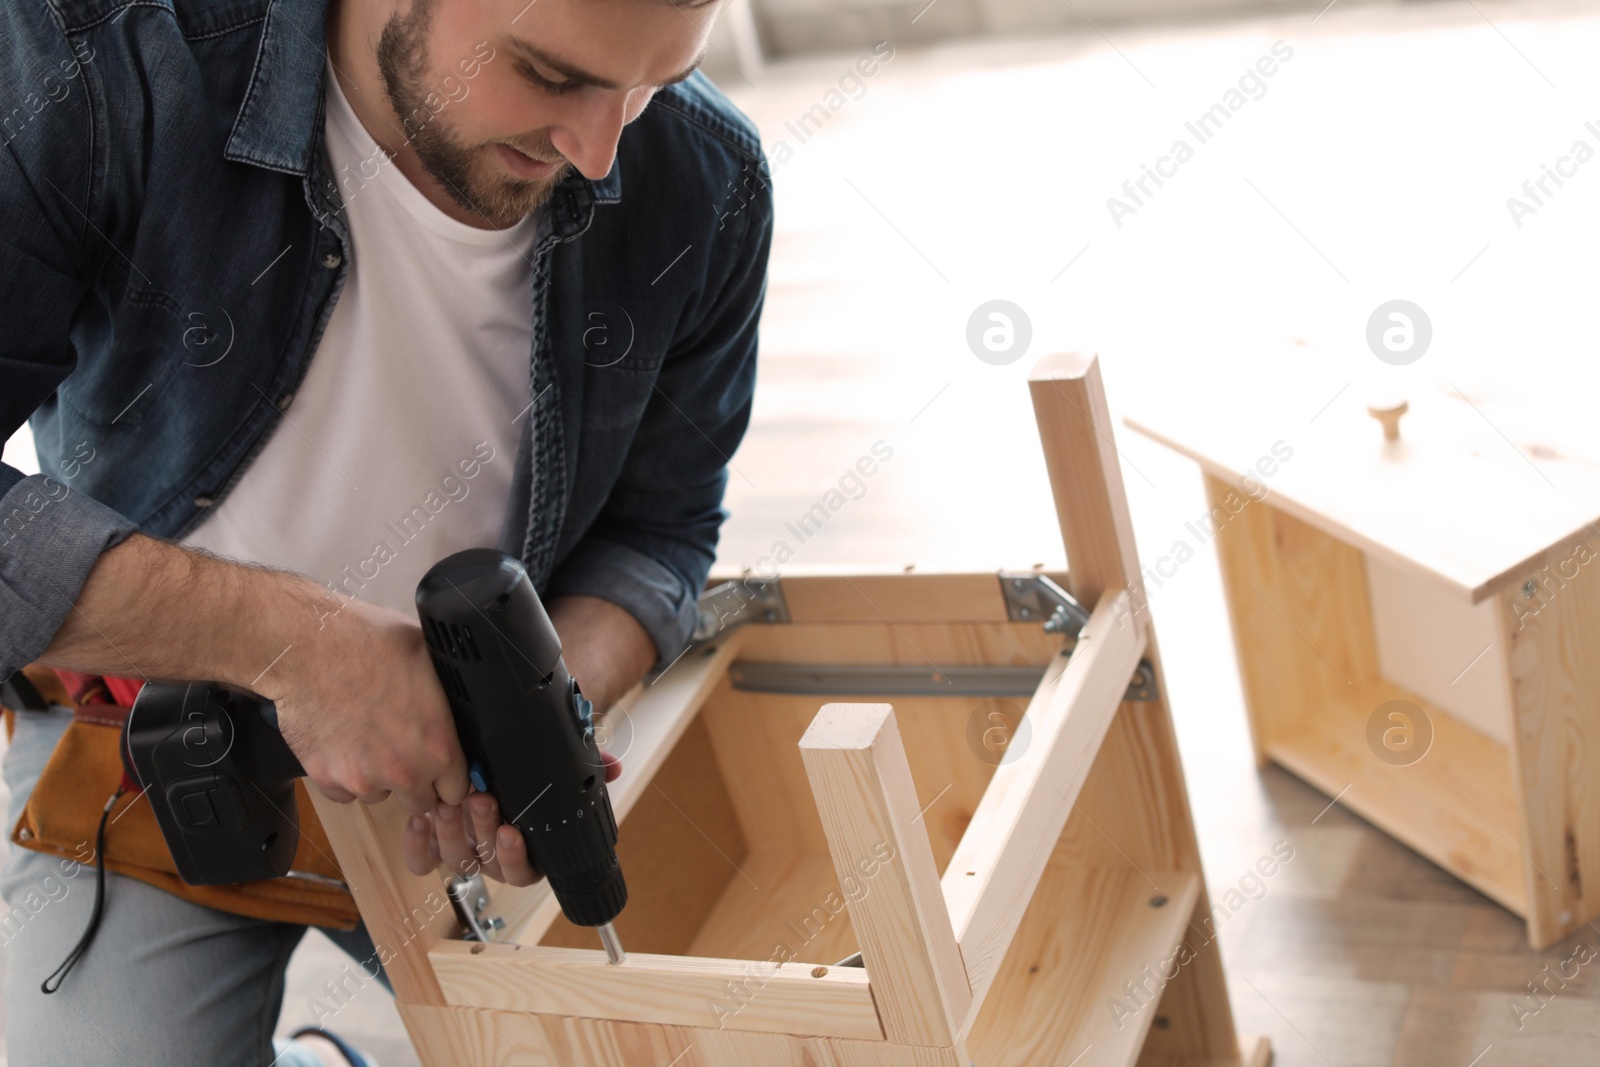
(608, 652)
(357, 698)
(360, 704)
(470, 837)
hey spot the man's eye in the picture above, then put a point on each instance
(553, 88)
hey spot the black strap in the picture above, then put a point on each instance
(18, 693)
(60, 973)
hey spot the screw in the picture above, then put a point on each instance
(1162, 1022)
(1026, 613)
(1158, 901)
(24, 834)
(1530, 588)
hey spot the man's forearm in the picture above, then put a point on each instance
(154, 610)
(606, 649)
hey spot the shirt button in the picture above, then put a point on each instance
(331, 259)
(202, 501)
(283, 402)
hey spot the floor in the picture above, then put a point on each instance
(1376, 164)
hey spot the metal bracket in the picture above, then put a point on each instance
(849, 679)
(1143, 686)
(1031, 597)
(736, 603)
(471, 899)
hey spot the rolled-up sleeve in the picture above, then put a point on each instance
(50, 538)
(655, 539)
(50, 534)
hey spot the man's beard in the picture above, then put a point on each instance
(501, 199)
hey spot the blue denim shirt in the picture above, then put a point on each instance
(165, 199)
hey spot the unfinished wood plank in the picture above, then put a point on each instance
(1555, 671)
(783, 905)
(1087, 969)
(994, 871)
(913, 597)
(1460, 459)
(862, 784)
(406, 914)
(1455, 806)
(457, 1036)
(761, 995)
(1076, 431)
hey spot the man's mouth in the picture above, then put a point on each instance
(524, 165)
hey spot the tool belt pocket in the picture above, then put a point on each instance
(63, 816)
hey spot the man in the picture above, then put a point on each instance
(336, 288)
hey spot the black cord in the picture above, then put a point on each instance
(60, 973)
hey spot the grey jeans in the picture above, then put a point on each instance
(164, 981)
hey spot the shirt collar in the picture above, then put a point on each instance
(279, 125)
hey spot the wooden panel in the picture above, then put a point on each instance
(1433, 643)
(1555, 670)
(406, 914)
(1297, 602)
(993, 873)
(641, 730)
(469, 1037)
(1435, 501)
(756, 736)
(1085, 972)
(786, 905)
(1075, 429)
(673, 990)
(1455, 805)
(905, 597)
(862, 784)
(680, 848)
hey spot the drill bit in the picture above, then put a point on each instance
(613, 944)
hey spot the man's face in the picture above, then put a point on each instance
(500, 98)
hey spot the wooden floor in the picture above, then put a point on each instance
(1376, 166)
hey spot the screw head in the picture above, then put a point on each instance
(1530, 588)
(1158, 901)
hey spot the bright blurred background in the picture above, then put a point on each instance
(975, 163)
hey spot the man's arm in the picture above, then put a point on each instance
(651, 547)
(357, 698)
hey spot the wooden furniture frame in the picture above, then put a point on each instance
(1046, 910)
(1515, 816)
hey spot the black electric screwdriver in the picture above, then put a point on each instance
(220, 777)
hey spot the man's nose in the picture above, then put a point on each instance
(589, 137)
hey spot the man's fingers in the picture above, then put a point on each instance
(418, 801)
(454, 846)
(612, 765)
(485, 821)
(454, 785)
(416, 842)
(373, 798)
(515, 868)
(335, 793)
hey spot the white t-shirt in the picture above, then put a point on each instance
(399, 445)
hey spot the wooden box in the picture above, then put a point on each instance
(1417, 620)
(1006, 849)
